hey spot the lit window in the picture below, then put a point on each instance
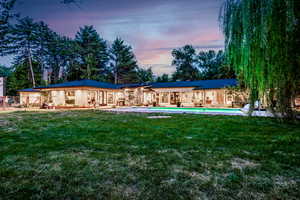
(165, 97)
(70, 97)
(110, 98)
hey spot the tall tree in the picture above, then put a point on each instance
(19, 78)
(212, 65)
(22, 41)
(6, 14)
(61, 55)
(145, 75)
(123, 63)
(93, 51)
(185, 60)
(262, 41)
(73, 68)
(163, 78)
(44, 40)
(4, 71)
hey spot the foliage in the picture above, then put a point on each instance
(60, 58)
(21, 41)
(163, 78)
(102, 155)
(93, 53)
(19, 77)
(145, 75)
(262, 41)
(6, 15)
(87, 56)
(185, 60)
(123, 65)
(4, 71)
(211, 65)
(205, 65)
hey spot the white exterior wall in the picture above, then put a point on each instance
(58, 97)
(81, 97)
(140, 96)
(31, 98)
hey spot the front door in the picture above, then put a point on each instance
(175, 98)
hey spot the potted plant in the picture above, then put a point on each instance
(178, 104)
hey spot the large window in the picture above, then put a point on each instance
(165, 97)
(92, 97)
(110, 98)
(70, 97)
(187, 97)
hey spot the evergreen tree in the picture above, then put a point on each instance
(212, 65)
(163, 78)
(4, 71)
(185, 60)
(262, 41)
(123, 63)
(44, 41)
(20, 77)
(145, 75)
(21, 42)
(73, 68)
(93, 53)
(6, 14)
(62, 55)
(209, 63)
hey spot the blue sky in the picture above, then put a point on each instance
(153, 27)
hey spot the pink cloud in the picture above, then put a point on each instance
(153, 27)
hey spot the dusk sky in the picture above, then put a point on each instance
(153, 28)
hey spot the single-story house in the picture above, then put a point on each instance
(90, 93)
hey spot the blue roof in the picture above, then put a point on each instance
(202, 84)
(82, 83)
(28, 90)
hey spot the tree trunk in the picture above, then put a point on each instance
(60, 72)
(116, 78)
(87, 72)
(116, 72)
(31, 68)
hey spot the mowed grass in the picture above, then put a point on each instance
(101, 155)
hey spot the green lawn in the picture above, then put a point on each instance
(98, 155)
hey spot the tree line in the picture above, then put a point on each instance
(42, 56)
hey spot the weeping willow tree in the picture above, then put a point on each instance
(262, 41)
